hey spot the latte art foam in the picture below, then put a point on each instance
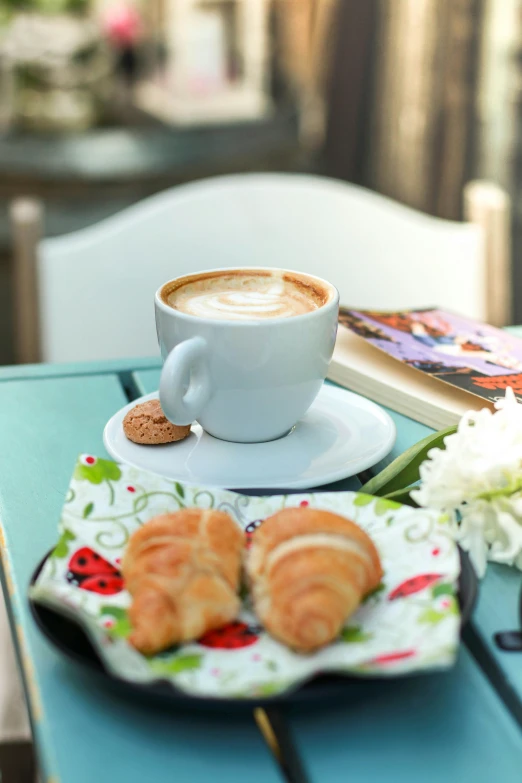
(244, 297)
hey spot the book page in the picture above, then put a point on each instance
(469, 355)
(363, 368)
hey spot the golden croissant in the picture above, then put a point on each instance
(309, 570)
(182, 571)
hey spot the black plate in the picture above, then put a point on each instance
(70, 639)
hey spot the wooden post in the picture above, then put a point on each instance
(488, 206)
(26, 216)
(349, 90)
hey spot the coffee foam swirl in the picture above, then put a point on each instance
(242, 298)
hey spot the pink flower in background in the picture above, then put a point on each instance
(123, 25)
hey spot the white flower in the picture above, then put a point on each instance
(477, 480)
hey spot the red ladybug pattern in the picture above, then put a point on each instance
(86, 562)
(250, 530)
(89, 571)
(105, 585)
(231, 637)
(414, 585)
(392, 657)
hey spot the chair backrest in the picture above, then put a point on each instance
(96, 286)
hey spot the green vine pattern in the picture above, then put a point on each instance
(199, 499)
(109, 539)
(421, 529)
(119, 534)
(241, 503)
(140, 504)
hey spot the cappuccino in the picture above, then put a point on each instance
(245, 295)
(245, 349)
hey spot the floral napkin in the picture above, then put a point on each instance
(410, 623)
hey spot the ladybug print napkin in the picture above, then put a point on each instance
(410, 623)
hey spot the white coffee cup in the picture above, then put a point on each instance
(246, 381)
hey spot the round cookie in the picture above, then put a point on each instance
(147, 424)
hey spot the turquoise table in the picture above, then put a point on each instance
(463, 725)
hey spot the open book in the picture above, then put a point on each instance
(430, 365)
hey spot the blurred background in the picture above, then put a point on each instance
(103, 103)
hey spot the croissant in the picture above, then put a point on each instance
(308, 570)
(182, 571)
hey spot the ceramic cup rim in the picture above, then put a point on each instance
(332, 302)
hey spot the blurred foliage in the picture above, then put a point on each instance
(43, 6)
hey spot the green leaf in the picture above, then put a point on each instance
(404, 470)
(443, 589)
(362, 500)
(100, 470)
(87, 473)
(452, 607)
(269, 688)
(402, 496)
(431, 616)
(111, 470)
(182, 663)
(167, 654)
(179, 489)
(374, 592)
(354, 634)
(122, 626)
(114, 611)
(383, 505)
(61, 549)
(272, 665)
(88, 510)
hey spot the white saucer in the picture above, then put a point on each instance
(340, 435)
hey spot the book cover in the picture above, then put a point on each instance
(469, 355)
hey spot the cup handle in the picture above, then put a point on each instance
(187, 361)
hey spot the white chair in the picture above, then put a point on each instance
(89, 295)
